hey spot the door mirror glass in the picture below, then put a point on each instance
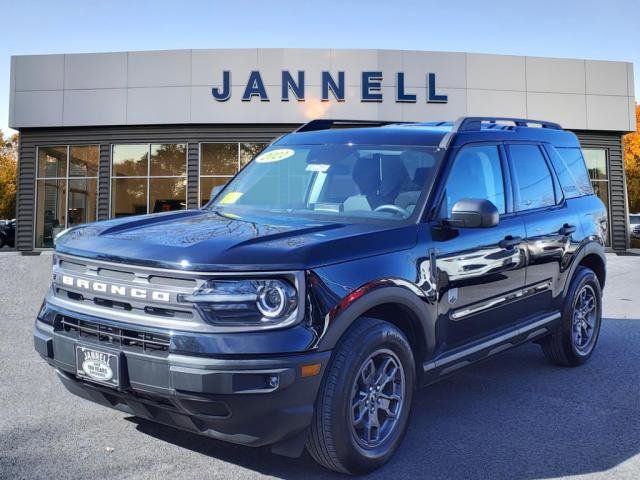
(474, 213)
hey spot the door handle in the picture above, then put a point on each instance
(510, 242)
(567, 229)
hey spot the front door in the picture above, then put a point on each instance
(480, 271)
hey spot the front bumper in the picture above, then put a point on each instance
(249, 401)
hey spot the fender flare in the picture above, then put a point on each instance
(418, 306)
(586, 249)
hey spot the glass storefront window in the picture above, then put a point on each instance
(66, 189)
(83, 161)
(596, 160)
(130, 160)
(219, 162)
(219, 159)
(168, 159)
(148, 178)
(250, 150)
(128, 196)
(167, 194)
(207, 184)
(52, 162)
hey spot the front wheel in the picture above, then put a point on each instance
(575, 338)
(363, 405)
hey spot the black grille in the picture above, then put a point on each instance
(125, 339)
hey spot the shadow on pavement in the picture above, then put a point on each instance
(514, 417)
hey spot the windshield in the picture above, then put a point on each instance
(358, 181)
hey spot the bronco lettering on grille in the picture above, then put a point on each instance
(118, 290)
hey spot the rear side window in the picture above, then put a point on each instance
(531, 176)
(571, 170)
(476, 173)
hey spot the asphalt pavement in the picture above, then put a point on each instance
(512, 417)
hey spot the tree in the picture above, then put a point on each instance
(8, 175)
(632, 165)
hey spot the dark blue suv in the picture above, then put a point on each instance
(349, 263)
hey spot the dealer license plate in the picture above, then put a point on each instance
(97, 366)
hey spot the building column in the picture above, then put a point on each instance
(193, 154)
(104, 181)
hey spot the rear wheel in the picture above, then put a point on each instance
(2, 241)
(576, 337)
(363, 405)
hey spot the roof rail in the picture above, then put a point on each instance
(474, 124)
(326, 124)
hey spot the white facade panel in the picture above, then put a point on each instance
(207, 65)
(175, 87)
(37, 108)
(167, 68)
(107, 106)
(499, 103)
(606, 112)
(450, 67)
(555, 75)
(563, 108)
(495, 72)
(95, 70)
(606, 78)
(39, 72)
(158, 105)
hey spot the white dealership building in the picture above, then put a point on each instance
(113, 134)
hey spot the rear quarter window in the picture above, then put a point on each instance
(534, 186)
(571, 171)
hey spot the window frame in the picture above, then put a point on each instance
(148, 176)
(606, 180)
(66, 179)
(240, 167)
(505, 173)
(558, 195)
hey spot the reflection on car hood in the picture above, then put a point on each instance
(209, 240)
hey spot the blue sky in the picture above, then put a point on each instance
(561, 28)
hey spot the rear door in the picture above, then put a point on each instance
(549, 222)
(480, 270)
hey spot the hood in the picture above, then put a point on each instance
(213, 241)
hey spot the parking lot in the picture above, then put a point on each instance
(512, 417)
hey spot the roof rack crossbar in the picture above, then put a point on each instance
(326, 124)
(474, 124)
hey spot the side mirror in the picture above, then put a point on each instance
(474, 213)
(215, 191)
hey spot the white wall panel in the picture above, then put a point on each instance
(174, 87)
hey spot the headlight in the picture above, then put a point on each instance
(251, 302)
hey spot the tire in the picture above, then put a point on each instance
(575, 339)
(334, 441)
(2, 241)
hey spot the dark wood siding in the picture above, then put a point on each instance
(30, 138)
(618, 214)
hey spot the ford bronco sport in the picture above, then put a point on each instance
(349, 263)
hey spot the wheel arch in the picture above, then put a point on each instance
(592, 256)
(397, 305)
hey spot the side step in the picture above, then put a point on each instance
(451, 362)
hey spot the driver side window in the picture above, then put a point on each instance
(476, 173)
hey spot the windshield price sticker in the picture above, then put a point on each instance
(275, 155)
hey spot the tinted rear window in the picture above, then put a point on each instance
(571, 170)
(532, 178)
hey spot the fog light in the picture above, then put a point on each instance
(273, 381)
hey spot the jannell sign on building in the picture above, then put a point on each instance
(288, 86)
